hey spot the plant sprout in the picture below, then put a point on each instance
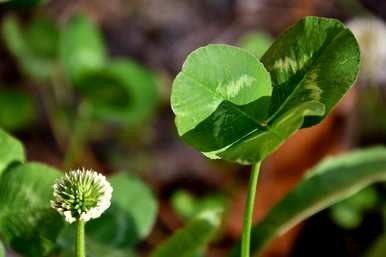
(230, 105)
(81, 195)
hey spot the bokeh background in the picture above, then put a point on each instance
(40, 105)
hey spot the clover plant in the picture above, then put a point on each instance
(229, 105)
(31, 227)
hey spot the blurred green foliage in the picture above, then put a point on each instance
(349, 213)
(132, 214)
(33, 46)
(256, 43)
(378, 249)
(2, 250)
(11, 151)
(81, 48)
(191, 239)
(123, 92)
(17, 109)
(120, 91)
(187, 206)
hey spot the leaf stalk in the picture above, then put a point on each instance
(248, 213)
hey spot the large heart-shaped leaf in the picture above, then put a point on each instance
(123, 91)
(226, 107)
(333, 180)
(129, 219)
(81, 47)
(221, 94)
(11, 151)
(197, 233)
(28, 224)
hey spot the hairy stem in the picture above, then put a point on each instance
(79, 239)
(248, 213)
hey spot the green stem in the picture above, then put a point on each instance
(248, 214)
(79, 136)
(79, 239)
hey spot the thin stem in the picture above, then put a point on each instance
(248, 213)
(79, 239)
(79, 136)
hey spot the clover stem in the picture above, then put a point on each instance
(248, 213)
(79, 239)
(79, 136)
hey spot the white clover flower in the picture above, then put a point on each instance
(81, 195)
(371, 35)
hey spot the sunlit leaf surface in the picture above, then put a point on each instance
(226, 106)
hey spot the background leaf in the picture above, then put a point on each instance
(131, 216)
(17, 109)
(28, 224)
(34, 46)
(11, 151)
(123, 91)
(334, 179)
(193, 237)
(187, 206)
(81, 47)
(378, 248)
(349, 213)
(256, 43)
(43, 37)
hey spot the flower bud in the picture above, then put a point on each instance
(81, 195)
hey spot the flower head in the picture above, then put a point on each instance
(81, 195)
